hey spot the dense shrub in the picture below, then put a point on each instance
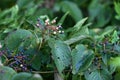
(60, 40)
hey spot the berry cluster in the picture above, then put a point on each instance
(105, 46)
(1, 53)
(19, 62)
(97, 62)
(50, 26)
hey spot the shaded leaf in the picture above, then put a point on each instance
(14, 39)
(63, 18)
(117, 48)
(117, 76)
(61, 55)
(36, 58)
(12, 13)
(36, 77)
(6, 73)
(106, 31)
(73, 10)
(22, 76)
(26, 76)
(115, 37)
(117, 9)
(81, 58)
(99, 75)
(99, 13)
(105, 58)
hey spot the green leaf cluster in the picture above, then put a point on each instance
(88, 48)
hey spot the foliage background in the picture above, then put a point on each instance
(91, 31)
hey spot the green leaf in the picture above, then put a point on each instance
(117, 48)
(7, 30)
(117, 76)
(36, 77)
(6, 73)
(83, 31)
(75, 39)
(79, 24)
(99, 14)
(81, 58)
(115, 62)
(115, 37)
(14, 39)
(73, 10)
(14, 11)
(25, 4)
(99, 75)
(63, 18)
(79, 28)
(106, 31)
(31, 11)
(117, 9)
(22, 76)
(61, 55)
(105, 58)
(9, 15)
(26, 76)
(35, 56)
(76, 77)
(112, 69)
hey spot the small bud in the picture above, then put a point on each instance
(47, 21)
(54, 32)
(0, 45)
(60, 32)
(37, 25)
(21, 65)
(59, 26)
(54, 21)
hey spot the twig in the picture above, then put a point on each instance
(47, 72)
